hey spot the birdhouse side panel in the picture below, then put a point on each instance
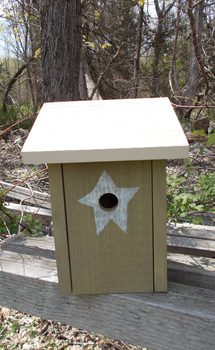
(159, 225)
(60, 227)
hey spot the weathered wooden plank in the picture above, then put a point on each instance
(182, 318)
(25, 194)
(24, 241)
(28, 209)
(186, 245)
(189, 275)
(32, 266)
(181, 268)
(169, 321)
(37, 246)
(195, 240)
(192, 231)
(202, 263)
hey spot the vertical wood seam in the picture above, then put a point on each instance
(153, 226)
(66, 222)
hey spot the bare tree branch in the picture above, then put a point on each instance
(137, 55)
(105, 71)
(172, 75)
(196, 44)
(13, 81)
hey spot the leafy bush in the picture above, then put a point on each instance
(205, 189)
(9, 116)
(185, 196)
(11, 223)
(15, 112)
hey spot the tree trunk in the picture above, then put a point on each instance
(60, 49)
(162, 12)
(190, 90)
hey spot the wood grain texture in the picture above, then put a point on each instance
(194, 275)
(36, 211)
(183, 318)
(192, 231)
(60, 227)
(114, 261)
(26, 195)
(37, 246)
(158, 324)
(159, 225)
(191, 240)
(197, 271)
(185, 245)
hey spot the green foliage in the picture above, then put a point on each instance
(185, 198)
(211, 140)
(7, 117)
(15, 112)
(205, 189)
(32, 225)
(25, 109)
(200, 132)
(179, 200)
(15, 327)
(11, 223)
(8, 222)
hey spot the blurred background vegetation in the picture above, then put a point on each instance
(129, 48)
(126, 49)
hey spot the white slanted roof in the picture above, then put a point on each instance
(105, 130)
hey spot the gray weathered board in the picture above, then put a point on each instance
(183, 318)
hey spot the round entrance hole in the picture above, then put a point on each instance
(108, 201)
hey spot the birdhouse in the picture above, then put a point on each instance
(106, 162)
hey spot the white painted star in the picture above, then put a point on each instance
(118, 213)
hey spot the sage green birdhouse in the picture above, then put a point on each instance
(106, 163)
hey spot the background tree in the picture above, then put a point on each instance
(123, 49)
(60, 49)
(22, 28)
(109, 39)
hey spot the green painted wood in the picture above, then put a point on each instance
(114, 261)
(159, 225)
(60, 227)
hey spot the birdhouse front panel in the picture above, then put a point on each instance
(110, 228)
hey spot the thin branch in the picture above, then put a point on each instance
(157, 8)
(37, 172)
(13, 81)
(137, 56)
(169, 8)
(172, 75)
(105, 71)
(194, 107)
(197, 3)
(7, 130)
(196, 44)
